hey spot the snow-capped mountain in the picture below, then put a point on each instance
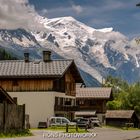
(18, 41)
(100, 52)
(97, 52)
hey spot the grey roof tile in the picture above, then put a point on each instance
(119, 113)
(19, 68)
(104, 93)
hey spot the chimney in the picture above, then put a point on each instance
(46, 56)
(26, 57)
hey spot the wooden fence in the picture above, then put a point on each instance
(12, 117)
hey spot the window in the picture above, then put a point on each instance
(92, 102)
(81, 102)
(61, 101)
(52, 120)
(58, 120)
(64, 121)
(56, 101)
(67, 102)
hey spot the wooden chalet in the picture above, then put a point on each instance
(46, 75)
(42, 81)
(122, 118)
(92, 101)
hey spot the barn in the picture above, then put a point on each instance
(122, 118)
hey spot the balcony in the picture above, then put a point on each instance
(98, 109)
(66, 108)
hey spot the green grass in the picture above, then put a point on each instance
(15, 133)
(72, 129)
(122, 128)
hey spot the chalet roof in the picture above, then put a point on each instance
(5, 96)
(126, 114)
(36, 69)
(96, 93)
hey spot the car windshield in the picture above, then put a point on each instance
(65, 121)
(85, 120)
(58, 120)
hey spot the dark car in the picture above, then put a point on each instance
(95, 121)
(42, 125)
(83, 122)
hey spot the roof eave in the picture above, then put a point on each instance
(92, 98)
(7, 95)
(30, 76)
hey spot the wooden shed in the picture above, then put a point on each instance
(12, 116)
(122, 118)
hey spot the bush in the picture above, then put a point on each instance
(15, 133)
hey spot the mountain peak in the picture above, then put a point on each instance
(68, 18)
(105, 30)
(98, 52)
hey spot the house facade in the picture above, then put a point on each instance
(47, 87)
(92, 102)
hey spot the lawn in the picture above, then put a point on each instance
(14, 133)
(72, 129)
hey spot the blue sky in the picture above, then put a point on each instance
(122, 15)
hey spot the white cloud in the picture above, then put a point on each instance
(18, 14)
(77, 8)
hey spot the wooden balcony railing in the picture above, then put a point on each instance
(88, 108)
(66, 108)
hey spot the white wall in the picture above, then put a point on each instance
(39, 105)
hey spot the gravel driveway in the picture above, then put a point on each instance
(95, 134)
(116, 134)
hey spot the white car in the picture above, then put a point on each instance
(95, 121)
(60, 121)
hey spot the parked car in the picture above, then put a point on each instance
(60, 121)
(95, 121)
(42, 125)
(83, 122)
